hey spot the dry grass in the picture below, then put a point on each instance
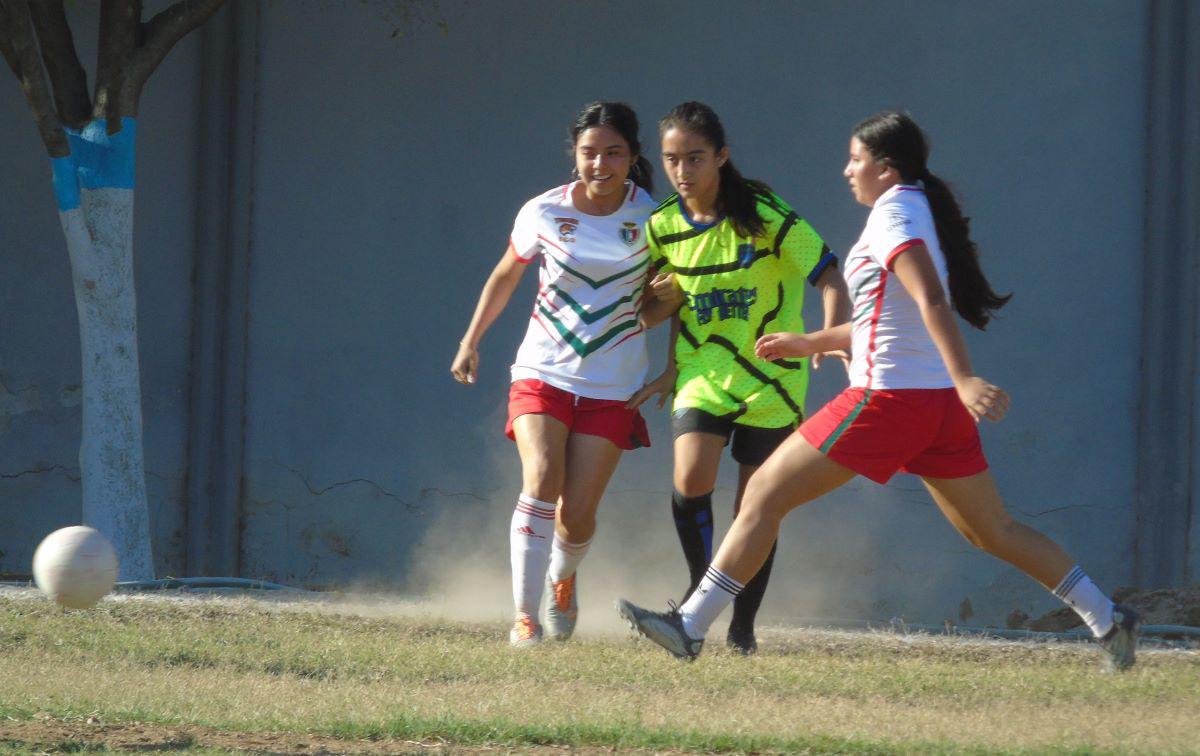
(240, 666)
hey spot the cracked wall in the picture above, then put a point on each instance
(375, 224)
(360, 291)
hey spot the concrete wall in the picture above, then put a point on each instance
(366, 183)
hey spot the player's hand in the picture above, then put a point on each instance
(775, 346)
(841, 354)
(982, 399)
(466, 364)
(663, 386)
(665, 288)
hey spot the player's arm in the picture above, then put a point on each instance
(492, 301)
(664, 385)
(661, 300)
(916, 272)
(835, 299)
(781, 345)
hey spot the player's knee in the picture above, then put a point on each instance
(692, 483)
(543, 480)
(996, 535)
(579, 526)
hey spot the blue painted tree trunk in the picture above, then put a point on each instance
(94, 186)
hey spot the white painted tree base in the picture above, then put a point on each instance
(99, 236)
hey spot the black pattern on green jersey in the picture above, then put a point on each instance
(738, 288)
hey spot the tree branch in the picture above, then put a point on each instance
(6, 45)
(62, 62)
(119, 23)
(161, 33)
(21, 52)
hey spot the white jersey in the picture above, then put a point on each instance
(584, 335)
(890, 345)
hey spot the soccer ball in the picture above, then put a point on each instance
(75, 566)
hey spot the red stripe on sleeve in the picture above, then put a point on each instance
(905, 246)
(513, 249)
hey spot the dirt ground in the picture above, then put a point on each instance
(48, 735)
(1173, 606)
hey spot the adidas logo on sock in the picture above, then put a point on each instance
(525, 530)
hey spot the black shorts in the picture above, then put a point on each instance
(751, 446)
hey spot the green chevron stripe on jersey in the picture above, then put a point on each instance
(582, 348)
(597, 284)
(592, 317)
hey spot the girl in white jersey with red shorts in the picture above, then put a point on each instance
(583, 357)
(912, 404)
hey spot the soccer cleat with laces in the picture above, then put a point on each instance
(1120, 643)
(562, 608)
(525, 633)
(664, 628)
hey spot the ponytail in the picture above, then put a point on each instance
(895, 140)
(970, 291)
(642, 174)
(737, 196)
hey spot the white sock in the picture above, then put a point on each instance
(715, 592)
(529, 541)
(565, 557)
(1088, 601)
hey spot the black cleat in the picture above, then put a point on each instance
(742, 640)
(664, 628)
(1120, 643)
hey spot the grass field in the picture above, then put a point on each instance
(211, 675)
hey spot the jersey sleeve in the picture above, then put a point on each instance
(524, 237)
(892, 230)
(804, 246)
(658, 259)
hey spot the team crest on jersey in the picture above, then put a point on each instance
(745, 253)
(566, 229)
(630, 233)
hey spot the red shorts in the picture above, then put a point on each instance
(606, 418)
(875, 432)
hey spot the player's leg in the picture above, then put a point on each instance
(591, 461)
(698, 447)
(795, 474)
(973, 506)
(750, 448)
(542, 445)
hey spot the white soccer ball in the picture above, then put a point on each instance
(75, 566)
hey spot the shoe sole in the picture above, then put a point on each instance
(1115, 665)
(625, 609)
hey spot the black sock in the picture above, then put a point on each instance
(745, 606)
(694, 524)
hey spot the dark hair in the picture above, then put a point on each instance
(896, 140)
(620, 118)
(737, 196)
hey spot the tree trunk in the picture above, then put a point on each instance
(94, 187)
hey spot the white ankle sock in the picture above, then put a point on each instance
(1079, 592)
(565, 558)
(715, 592)
(529, 540)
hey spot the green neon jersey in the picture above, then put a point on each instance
(738, 288)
